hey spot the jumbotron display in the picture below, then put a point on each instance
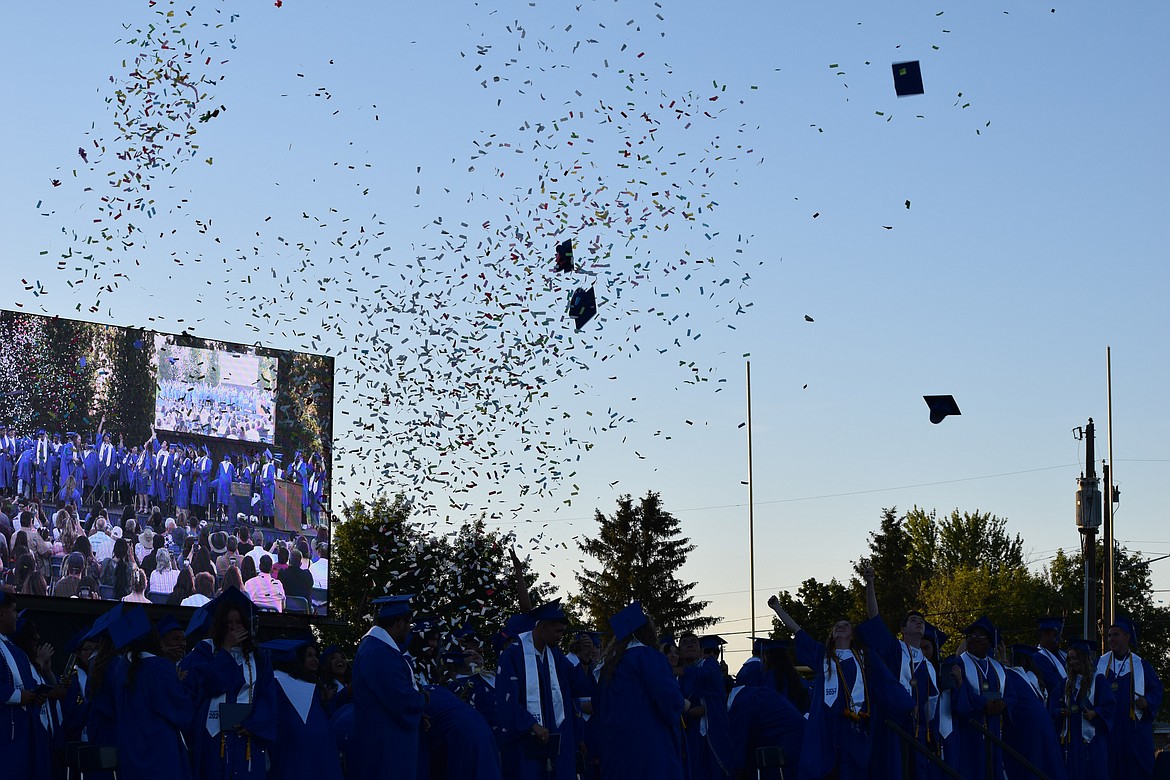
(161, 466)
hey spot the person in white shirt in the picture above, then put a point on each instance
(101, 542)
(204, 587)
(162, 579)
(320, 567)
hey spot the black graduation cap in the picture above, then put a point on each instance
(907, 78)
(941, 406)
(582, 306)
(565, 256)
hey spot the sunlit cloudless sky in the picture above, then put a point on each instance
(1034, 164)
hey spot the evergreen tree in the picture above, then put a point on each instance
(128, 403)
(640, 552)
(459, 577)
(898, 571)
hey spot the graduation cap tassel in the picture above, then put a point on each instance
(223, 745)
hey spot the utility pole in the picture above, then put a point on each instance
(751, 508)
(1088, 521)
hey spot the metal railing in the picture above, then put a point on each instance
(910, 742)
(1006, 748)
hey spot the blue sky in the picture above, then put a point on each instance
(1031, 243)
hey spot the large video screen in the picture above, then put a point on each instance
(213, 392)
(108, 434)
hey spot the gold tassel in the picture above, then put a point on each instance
(248, 750)
(222, 745)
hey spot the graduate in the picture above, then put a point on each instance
(305, 744)
(1049, 660)
(707, 733)
(75, 705)
(20, 703)
(461, 744)
(268, 488)
(760, 718)
(388, 705)
(226, 669)
(335, 679)
(534, 701)
(477, 686)
(101, 723)
(850, 692)
(639, 705)
(151, 704)
(586, 677)
(1031, 730)
(1086, 714)
(201, 488)
(982, 696)
(7, 460)
(183, 477)
(1137, 694)
(48, 735)
(224, 477)
(25, 471)
(43, 463)
(917, 676)
(752, 670)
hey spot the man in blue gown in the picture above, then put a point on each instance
(534, 702)
(982, 697)
(1137, 692)
(707, 732)
(1049, 659)
(388, 705)
(19, 703)
(763, 718)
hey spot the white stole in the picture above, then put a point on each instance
(1056, 661)
(1030, 678)
(832, 686)
(532, 682)
(243, 697)
(299, 693)
(1088, 730)
(17, 680)
(971, 675)
(1105, 662)
(731, 696)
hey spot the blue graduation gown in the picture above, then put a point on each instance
(342, 726)
(639, 713)
(183, 485)
(387, 712)
(75, 709)
(17, 755)
(304, 748)
(1049, 675)
(516, 722)
(1131, 740)
(1087, 759)
(225, 476)
(201, 489)
(759, 718)
(969, 753)
(7, 460)
(460, 739)
(585, 688)
(709, 756)
(150, 716)
(751, 673)
(917, 720)
(214, 672)
(101, 722)
(268, 490)
(1031, 732)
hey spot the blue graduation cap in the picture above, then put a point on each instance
(984, 623)
(79, 639)
(41, 431)
(519, 624)
(1083, 646)
(551, 611)
(199, 622)
(711, 642)
(22, 619)
(103, 621)
(1126, 625)
(463, 630)
(1051, 623)
(231, 597)
(284, 650)
(392, 606)
(627, 621)
(934, 634)
(592, 636)
(667, 640)
(1025, 650)
(424, 623)
(167, 625)
(129, 626)
(328, 651)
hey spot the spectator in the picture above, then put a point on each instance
(137, 592)
(40, 549)
(320, 567)
(26, 576)
(164, 576)
(281, 560)
(231, 556)
(158, 541)
(70, 529)
(174, 541)
(297, 581)
(184, 586)
(17, 574)
(201, 560)
(248, 568)
(145, 544)
(101, 542)
(257, 550)
(265, 591)
(232, 579)
(204, 589)
(93, 569)
(123, 569)
(70, 577)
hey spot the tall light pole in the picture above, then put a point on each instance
(751, 505)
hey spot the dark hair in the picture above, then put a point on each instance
(147, 643)
(121, 549)
(282, 554)
(266, 564)
(911, 614)
(204, 583)
(232, 578)
(232, 544)
(98, 662)
(218, 629)
(647, 634)
(81, 544)
(159, 541)
(248, 567)
(788, 681)
(26, 518)
(201, 561)
(184, 586)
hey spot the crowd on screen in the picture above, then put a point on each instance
(223, 411)
(67, 469)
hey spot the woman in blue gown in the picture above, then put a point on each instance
(304, 742)
(639, 705)
(226, 669)
(1085, 716)
(461, 743)
(1031, 732)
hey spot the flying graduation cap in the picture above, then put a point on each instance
(941, 406)
(565, 256)
(582, 306)
(907, 78)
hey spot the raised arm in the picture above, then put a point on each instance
(781, 613)
(522, 595)
(871, 605)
